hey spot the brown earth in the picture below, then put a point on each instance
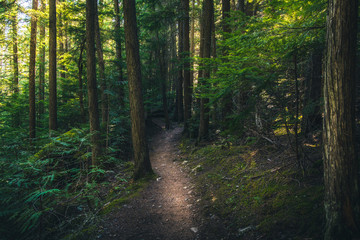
(167, 208)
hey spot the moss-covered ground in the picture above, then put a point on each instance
(257, 189)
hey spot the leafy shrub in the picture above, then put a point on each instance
(52, 193)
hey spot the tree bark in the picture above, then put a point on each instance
(14, 23)
(312, 93)
(118, 53)
(52, 67)
(207, 15)
(180, 79)
(186, 56)
(32, 112)
(81, 94)
(340, 161)
(140, 145)
(91, 78)
(101, 62)
(42, 64)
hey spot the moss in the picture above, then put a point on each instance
(244, 190)
(132, 190)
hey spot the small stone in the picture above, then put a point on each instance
(194, 229)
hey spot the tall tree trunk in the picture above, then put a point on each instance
(32, 112)
(340, 161)
(312, 93)
(42, 64)
(81, 94)
(140, 145)
(52, 67)
(192, 49)
(91, 79)
(14, 23)
(62, 47)
(186, 56)
(118, 53)
(163, 76)
(227, 99)
(180, 79)
(172, 75)
(100, 56)
(207, 13)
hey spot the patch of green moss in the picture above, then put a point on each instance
(245, 191)
(133, 189)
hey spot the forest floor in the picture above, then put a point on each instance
(225, 188)
(167, 207)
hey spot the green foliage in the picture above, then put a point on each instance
(52, 193)
(255, 61)
(244, 189)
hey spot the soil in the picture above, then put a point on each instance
(167, 208)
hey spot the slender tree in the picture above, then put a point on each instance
(180, 79)
(14, 23)
(101, 63)
(186, 55)
(52, 67)
(118, 52)
(32, 113)
(80, 80)
(140, 145)
(207, 15)
(340, 162)
(91, 80)
(42, 63)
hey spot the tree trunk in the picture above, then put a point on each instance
(61, 48)
(81, 94)
(163, 65)
(42, 64)
(228, 97)
(312, 93)
(180, 79)
(100, 57)
(118, 53)
(16, 116)
(91, 78)
(186, 56)
(140, 145)
(52, 67)
(340, 162)
(32, 113)
(208, 11)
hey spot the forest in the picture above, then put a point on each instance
(179, 119)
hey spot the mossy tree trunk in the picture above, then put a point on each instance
(139, 141)
(340, 162)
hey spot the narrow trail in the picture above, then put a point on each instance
(166, 209)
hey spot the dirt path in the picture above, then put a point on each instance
(166, 208)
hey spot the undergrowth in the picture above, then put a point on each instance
(55, 193)
(257, 190)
